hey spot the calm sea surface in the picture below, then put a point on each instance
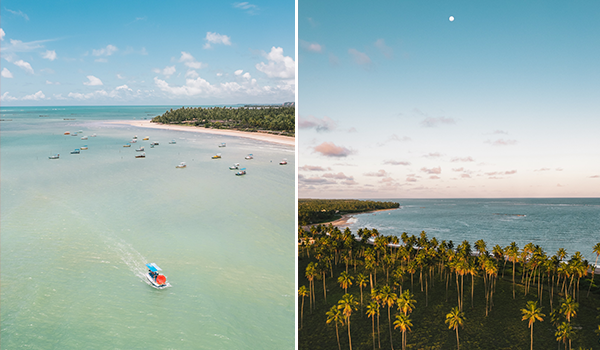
(77, 231)
(552, 223)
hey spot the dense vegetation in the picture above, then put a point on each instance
(321, 210)
(279, 120)
(418, 293)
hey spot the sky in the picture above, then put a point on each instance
(397, 101)
(146, 52)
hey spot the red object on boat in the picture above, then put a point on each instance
(161, 279)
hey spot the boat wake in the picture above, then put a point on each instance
(135, 261)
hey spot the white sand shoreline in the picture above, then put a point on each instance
(284, 140)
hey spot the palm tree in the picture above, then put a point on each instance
(455, 319)
(388, 298)
(564, 332)
(532, 313)
(405, 302)
(372, 311)
(335, 315)
(347, 305)
(513, 255)
(569, 308)
(403, 322)
(302, 291)
(361, 280)
(345, 281)
(597, 251)
(311, 273)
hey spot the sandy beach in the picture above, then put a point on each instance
(284, 140)
(343, 221)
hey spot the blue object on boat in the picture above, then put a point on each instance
(153, 267)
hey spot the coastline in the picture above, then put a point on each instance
(343, 221)
(284, 140)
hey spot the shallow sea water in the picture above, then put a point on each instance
(77, 231)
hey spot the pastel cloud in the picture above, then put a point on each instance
(437, 170)
(2, 34)
(35, 97)
(248, 7)
(385, 50)
(430, 122)
(329, 149)
(502, 142)
(310, 122)
(167, 71)
(396, 162)
(379, 173)
(312, 47)
(313, 168)
(464, 159)
(360, 58)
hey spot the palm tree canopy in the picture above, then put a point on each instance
(403, 322)
(455, 318)
(302, 291)
(334, 315)
(532, 313)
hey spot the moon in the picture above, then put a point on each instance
(451, 18)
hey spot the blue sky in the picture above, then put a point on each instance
(146, 52)
(397, 101)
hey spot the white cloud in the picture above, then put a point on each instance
(87, 96)
(37, 96)
(123, 87)
(2, 34)
(48, 82)
(216, 38)
(250, 8)
(247, 75)
(18, 13)
(279, 66)
(239, 71)
(219, 74)
(191, 74)
(93, 81)
(24, 65)
(190, 61)
(312, 47)
(120, 76)
(101, 60)
(359, 57)
(107, 51)
(6, 73)
(50, 55)
(167, 72)
(385, 50)
(5, 97)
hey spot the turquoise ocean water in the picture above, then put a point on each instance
(77, 231)
(552, 223)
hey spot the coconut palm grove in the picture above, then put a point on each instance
(364, 290)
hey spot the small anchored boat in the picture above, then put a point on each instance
(141, 149)
(146, 138)
(223, 144)
(76, 151)
(181, 165)
(133, 141)
(156, 279)
(141, 155)
(67, 132)
(172, 142)
(127, 145)
(84, 147)
(54, 156)
(250, 156)
(217, 156)
(236, 166)
(241, 172)
(283, 162)
(155, 143)
(84, 137)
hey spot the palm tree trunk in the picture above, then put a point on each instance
(338, 336)
(302, 313)
(390, 322)
(324, 288)
(457, 342)
(532, 336)
(349, 338)
(373, 319)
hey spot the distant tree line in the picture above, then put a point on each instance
(280, 120)
(320, 210)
